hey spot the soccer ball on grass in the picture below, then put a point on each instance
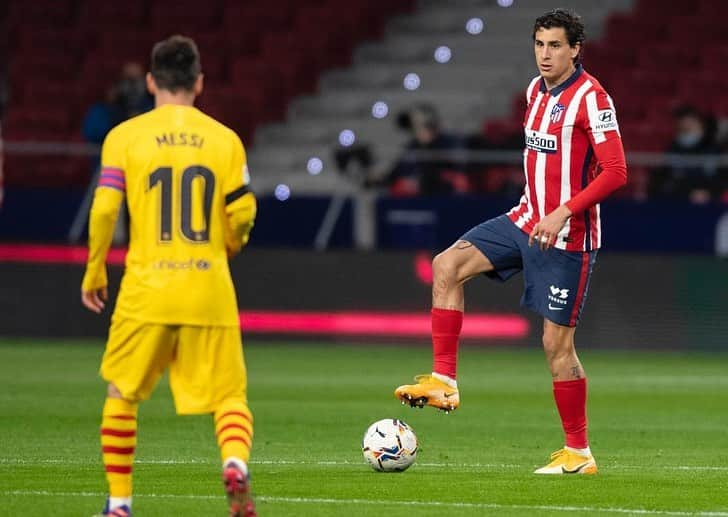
(389, 445)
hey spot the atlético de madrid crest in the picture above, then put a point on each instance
(557, 112)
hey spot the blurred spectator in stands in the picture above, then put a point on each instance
(102, 116)
(124, 99)
(133, 96)
(427, 166)
(695, 135)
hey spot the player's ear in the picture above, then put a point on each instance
(575, 50)
(199, 84)
(151, 85)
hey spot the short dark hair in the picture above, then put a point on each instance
(569, 21)
(686, 110)
(175, 64)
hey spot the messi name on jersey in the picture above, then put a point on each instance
(180, 138)
(541, 142)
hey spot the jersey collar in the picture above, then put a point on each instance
(556, 90)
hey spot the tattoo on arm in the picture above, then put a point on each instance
(463, 245)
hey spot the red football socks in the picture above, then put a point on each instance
(446, 325)
(570, 399)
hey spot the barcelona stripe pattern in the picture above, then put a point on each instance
(118, 443)
(234, 429)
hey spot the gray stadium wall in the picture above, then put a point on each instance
(633, 301)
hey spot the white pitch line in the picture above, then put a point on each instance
(344, 463)
(436, 504)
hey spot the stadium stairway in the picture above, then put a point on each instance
(478, 82)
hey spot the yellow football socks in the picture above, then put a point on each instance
(118, 441)
(234, 429)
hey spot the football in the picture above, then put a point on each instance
(389, 445)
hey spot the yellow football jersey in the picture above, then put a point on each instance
(185, 180)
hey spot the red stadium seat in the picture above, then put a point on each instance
(299, 66)
(40, 67)
(183, 16)
(129, 13)
(67, 93)
(659, 110)
(644, 136)
(45, 13)
(720, 107)
(624, 30)
(518, 107)
(243, 42)
(99, 72)
(630, 109)
(707, 29)
(66, 54)
(72, 42)
(47, 171)
(659, 9)
(251, 17)
(704, 88)
(637, 184)
(37, 123)
(234, 108)
(124, 44)
(607, 60)
(251, 74)
(666, 56)
(214, 67)
(714, 58)
(500, 131)
(714, 9)
(655, 83)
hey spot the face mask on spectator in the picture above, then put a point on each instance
(132, 89)
(689, 139)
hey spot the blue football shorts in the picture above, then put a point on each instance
(555, 281)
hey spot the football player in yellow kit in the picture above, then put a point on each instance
(186, 183)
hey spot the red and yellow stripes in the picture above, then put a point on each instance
(118, 442)
(234, 429)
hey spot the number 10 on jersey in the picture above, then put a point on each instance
(164, 177)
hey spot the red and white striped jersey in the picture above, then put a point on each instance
(572, 138)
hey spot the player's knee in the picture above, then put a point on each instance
(445, 268)
(554, 347)
(113, 392)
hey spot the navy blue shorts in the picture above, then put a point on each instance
(555, 281)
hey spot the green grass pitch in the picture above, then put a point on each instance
(658, 422)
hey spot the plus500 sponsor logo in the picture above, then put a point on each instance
(541, 142)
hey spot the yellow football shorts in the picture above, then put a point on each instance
(205, 364)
